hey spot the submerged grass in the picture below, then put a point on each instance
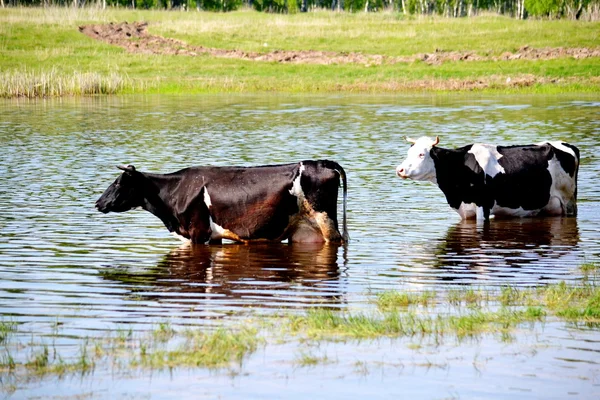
(323, 324)
(390, 300)
(200, 349)
(590, 267)
(434, 316)
(486, 311)
(7, 328)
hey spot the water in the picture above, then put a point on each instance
(65, 267)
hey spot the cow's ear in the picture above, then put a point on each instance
(127, 168)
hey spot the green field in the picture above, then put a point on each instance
(42, 53)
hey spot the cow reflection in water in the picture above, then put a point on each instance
(531, 243)
(247, 275)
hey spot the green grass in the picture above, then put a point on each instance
(590, 267)
(431, 316)
(200, 349)
(54, 83)
(7, 328)
(487, 312)
(323, 324)
(304, 359)
(390, 300)
(44, 45)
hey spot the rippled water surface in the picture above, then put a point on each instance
(62, 263)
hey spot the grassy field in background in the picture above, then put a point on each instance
(45, 45)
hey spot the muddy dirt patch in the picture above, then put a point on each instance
(135, 38)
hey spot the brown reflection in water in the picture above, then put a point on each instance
(508, 243)
(271, 275)
(226, 265)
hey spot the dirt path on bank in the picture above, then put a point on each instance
(135, 38)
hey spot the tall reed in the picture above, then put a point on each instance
(54, 83)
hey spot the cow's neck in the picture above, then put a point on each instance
(159, 201)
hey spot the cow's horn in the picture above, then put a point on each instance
(437, 140)
(409, 140)
(126, 168)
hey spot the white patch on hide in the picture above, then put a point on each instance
(296, 189)
(487, 157)
(218, 232)
(178, 236)
(207, 199)
(562, 189)
(558, 145)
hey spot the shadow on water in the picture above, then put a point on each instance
(267, 275)
(528, 245)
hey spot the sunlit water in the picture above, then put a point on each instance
(62, 263)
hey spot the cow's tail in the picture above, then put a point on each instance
(577, 159)
(338, 168)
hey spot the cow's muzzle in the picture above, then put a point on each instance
(100, 207)
(400, 171)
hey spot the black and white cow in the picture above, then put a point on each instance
(506, 181)
(206, 204)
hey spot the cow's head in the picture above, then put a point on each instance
(419, 165)
(126, 192)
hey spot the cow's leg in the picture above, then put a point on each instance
(328, 227)
(571, 209)
(486, 213)
(554, 207)
(196, 219)
(307, 232)
(467, 211)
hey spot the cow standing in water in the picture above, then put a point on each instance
(207, 204)
(506, 181)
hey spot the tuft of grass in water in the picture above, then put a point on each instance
(581, 304)
(7, 362)
(390, 300)
(164, 332)
(517, 306)
(468, 296)
(7, 328)
(212, 350)
(310, 360)
(511, 296)
(324, 323)
(39, 361)
(590, 267)
(319, 323)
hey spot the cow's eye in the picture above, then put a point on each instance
(422, 155)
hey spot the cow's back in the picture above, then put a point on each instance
(536, 179)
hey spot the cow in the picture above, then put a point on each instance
(265, 203)
(504, 181)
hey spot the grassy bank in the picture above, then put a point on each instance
(37, 43)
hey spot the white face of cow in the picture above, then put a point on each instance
(418, 164)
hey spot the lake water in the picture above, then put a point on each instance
(70, 274)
